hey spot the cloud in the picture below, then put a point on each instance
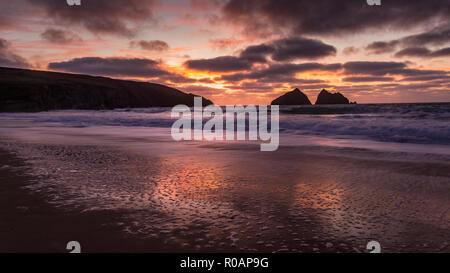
(59, 36)
(441, 52)
(427, 78)
(124, 67)
(10, 11)
(173, 78)
(219, 64)
(154, 45)
(100, 16)
(288, 49)
(280, 72)
(301, 48)
(368, 79)
(413, 52)
(224, 43)
(202, 90)
(418, 72)
(207, 4)
(436, 36)
(177, 79)
(350, 50)
(422, 52)
(382, 47)
(373, 68)
(8, 58)
(330, 16)
(257, 53)
(281, 50)
(116, 67)
(386, 68)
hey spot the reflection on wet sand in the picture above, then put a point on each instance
(245, 197)
(228, 197)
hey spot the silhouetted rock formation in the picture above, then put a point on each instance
(28, 90)
(326, 97)
(294, 97)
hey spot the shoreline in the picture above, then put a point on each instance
(34, 225)
(29, 224)
(118, 189)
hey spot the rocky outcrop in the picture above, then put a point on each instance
(326, 97)
(29, 90)
(294, 97)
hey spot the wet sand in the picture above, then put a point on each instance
(29, 224)
(115, 193)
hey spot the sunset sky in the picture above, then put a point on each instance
(241, 52)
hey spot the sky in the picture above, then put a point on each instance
(241, 51)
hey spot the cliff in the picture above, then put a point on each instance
(29, 90)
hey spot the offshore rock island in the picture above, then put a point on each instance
(297, 97)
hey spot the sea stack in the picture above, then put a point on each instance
(294, 97)
(326, 97)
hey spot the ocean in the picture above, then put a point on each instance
(417, 123)
(341, 177)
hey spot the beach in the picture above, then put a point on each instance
(134, 189)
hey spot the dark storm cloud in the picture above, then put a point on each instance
(278, 72)
(59, 36)
(373, 68)
(219, 64)
(154, 45)
(423, 52)
(331, 16)
(422, 85)
(288, 49)
(124, 67)
(297, 68)
(368, 79)
(177, 78)
(413, 52)
(427, 78)
(282, 50)
(386, 68)
(8, 58)
(291, 79)
(118, 67)
(436, 36)
(99, 16)
(441, 52)
(301, 48)
(257, 53)
(382, 47)
(418, 72)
